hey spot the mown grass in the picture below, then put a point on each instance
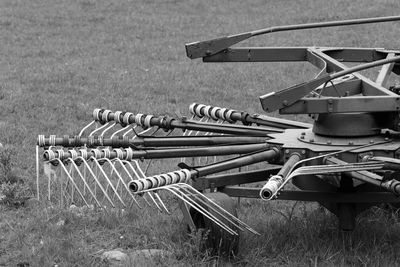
(61, 59)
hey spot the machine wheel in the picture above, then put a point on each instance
(216, 240)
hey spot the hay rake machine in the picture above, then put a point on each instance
(348, 160)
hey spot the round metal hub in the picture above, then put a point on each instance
(351, 124)
(308, 136)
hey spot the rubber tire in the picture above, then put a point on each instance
(217, 241)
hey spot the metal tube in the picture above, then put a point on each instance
(149, 141)
(365, 176)
(231, 115)
(325, 24)
(369, 177)
(277, 180)
(390, 163)
(168, 123)
(267, 155)
(49, 155)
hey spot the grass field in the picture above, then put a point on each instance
(61, 59)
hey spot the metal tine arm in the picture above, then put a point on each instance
(183, 175)
(168, 123)
(108, 180)
(141, 142)
(233, 116)
(84, 181)
(72, 180)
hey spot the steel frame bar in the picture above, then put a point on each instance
(210, 47)
(157, 153)
(153, 141)
(328, 60)
(307, 195)
(215, 181)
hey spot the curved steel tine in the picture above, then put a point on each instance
(120, 178)
(179, 187)
(188, 133)
(198, 194)
(137, 176)
(145, 131)
(323, 169)
(130, 177)
(162, 203)
(108, 128)
(143, 173)
(204, 119)
(208, 120)
(108, 180)
(200, 202)
(84, 181)
(155, 202)
(71, 173)
(143, 176)
(37, 172)
(120, 130)
(97, 181)
(130, 130)
(135, 133)
(71, 179)
(100, 128)
(87, 126)
(155, 193)
(200, 209)
(155, 128)
(139, 168)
